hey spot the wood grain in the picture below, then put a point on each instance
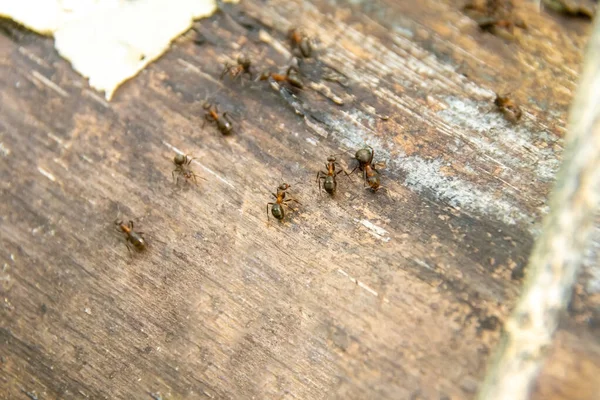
(398, 294)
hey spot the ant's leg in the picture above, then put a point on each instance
(131, 224)
(376, 190)
(237, 75)
(292, 199)
(288, 206)
(290, 69)
(342, 170)
(207, 118)
(173, 174)
(197, 176)
(274, 195)
(225, 71)
(319, 180)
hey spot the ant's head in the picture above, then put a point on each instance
(284, 186)
(118, 222)
(331, 159)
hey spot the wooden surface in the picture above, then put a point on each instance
(398, 294)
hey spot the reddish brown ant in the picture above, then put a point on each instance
(300, 42)
(508, 108)
(223, 123)
(182, 168)
(371, 176)
(329, 177)
(277, 208)
(242, 67)
(131, 237)
(291, 76)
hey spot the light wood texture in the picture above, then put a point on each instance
(398, 294)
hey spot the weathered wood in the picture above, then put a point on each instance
(559, 251)
(398, 294)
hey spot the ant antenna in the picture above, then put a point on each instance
(210, 95)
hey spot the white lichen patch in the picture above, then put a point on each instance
(508, 144)
(422, 176)
(354, 132)
(426, 177)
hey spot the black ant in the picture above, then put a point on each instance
(508, 108)
(371, 176)
(182, 168)
(242, 67)
(277, 208)
(329, 177)
(131, 237)
(300, 42)
(291, 76)
(223, 123)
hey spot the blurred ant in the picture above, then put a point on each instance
(131, 237)
(493, 14)
(489, 24)
(329, 177)
(242, 67)
(182, 168)
(277, 208)
(371, 176)
(291, 76)
(508, 108)
(223, 123)
(300, 42)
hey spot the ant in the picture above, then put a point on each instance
(300, 42)
(131, 237)
(242, 67)
(492, 15)
(508, 108)
(223, 123)
(182, 168)
(489, 24)
(277, 208)
(371, 176)
(291, 76)
(329, 177)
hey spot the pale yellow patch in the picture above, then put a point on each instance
(109, 41)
